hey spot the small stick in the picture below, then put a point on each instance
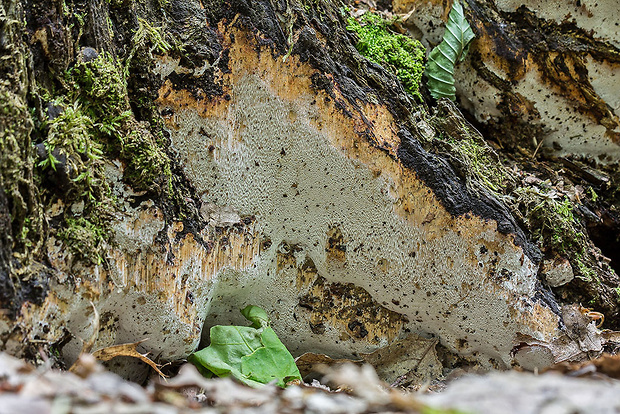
(538, 147)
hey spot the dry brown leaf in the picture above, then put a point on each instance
(411, 360)
(606, 364)
(85, 366)
(106, 354)
(307, 362)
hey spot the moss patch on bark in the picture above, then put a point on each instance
(400, 54)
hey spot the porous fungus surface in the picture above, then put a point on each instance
(291, 186)
(295, 160)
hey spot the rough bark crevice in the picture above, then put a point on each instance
(560, 51)
(455, 195)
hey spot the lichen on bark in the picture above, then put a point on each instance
(22, 224)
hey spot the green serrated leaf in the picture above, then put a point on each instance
(453, 49)
(253, 355)
(229, 344)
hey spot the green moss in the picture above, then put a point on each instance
(148, 38)
(102, 89)
(16, 178)
(317, 8)
(469, 152)
(147, 164)
(23, 235)
(15, 124)
(73, 145)
(481, 161)
(98, 123)
(71, 135)
(399, 54)
(84, 238)
(117, 4)
(593, 195)
(585, 271)
(552, 223)
(101, 86)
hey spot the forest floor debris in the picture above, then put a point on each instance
(26, 389)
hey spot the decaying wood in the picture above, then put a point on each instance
(538, 73)
(302, 180)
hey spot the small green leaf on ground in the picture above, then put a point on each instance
(253, 355)
(256, 315)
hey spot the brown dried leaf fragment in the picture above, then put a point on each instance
(606, 365)
(108, 353)
(409, 361)
(310, 362)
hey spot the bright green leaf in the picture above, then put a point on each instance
(452, 49)
(253, 355)
(270, 362)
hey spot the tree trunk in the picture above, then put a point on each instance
(196, 157)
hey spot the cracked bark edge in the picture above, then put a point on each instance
(456, 197)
